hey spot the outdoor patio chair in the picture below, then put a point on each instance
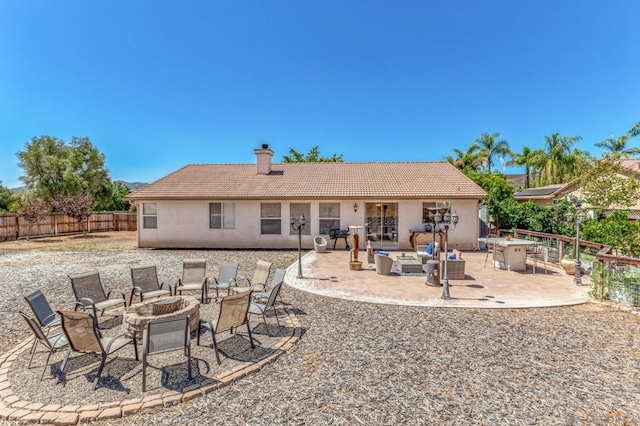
(54, 342)
(194, 277)
(145, 283)
(493, 249)
(226, 278)
(165, 335)
(422, 252)
(82, 334)
(455, 268)
(89, 293)
(261, 308)
(383, 264)
(232, 314)
(42, 312)
(260, 275)
(538, 252)
(320, 244)
(278, 278)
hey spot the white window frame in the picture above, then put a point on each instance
(227, 215)
(149, 215)
(269, 218)
(322, 219)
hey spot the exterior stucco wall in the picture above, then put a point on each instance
(185, 224)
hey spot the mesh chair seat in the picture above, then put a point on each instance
(194, 272)
(261, 308)
(145, 283)
(278, 278)
(100, 306)
(82, 334)
(226, 278)
(111, 345)
(232, 314)
(53, 342)
(156, 293)
(189, 287)
(88, 290)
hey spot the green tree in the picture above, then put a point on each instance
(606, 184)
(530, 159)
(561, 161)
(313, 156)
(616, 231)
(7, 199)
(52, 168)
(617, 147)
(490, 147)
(116, 200)
(470, 160)
(500, 203)
(634, 131)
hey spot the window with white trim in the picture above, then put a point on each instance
(222, 215)
(297, 210)
(329, 217)
(270, 218)
(149, 215)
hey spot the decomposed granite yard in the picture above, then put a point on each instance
(355, 363)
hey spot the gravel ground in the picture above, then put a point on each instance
(371, 364)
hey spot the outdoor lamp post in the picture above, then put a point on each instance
(578, 219)
(448, 221)
(299, 227)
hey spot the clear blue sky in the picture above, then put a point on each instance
(157, 85)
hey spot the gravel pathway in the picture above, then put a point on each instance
(374, 364)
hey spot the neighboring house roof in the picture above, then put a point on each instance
(541, 192)
(631, 164)
(313, 180)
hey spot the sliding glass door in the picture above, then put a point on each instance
(381, 222)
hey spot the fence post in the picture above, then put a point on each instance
(17, 226)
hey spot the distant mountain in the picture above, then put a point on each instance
(133, 186)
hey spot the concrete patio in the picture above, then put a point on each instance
(328, 274)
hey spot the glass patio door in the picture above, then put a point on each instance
(381, 224)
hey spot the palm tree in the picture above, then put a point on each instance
(617, 148)
(634, 131)
(490, 146)
(561, 161)
(471, 159)
(528, 158)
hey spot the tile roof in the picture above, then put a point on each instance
(313, 180)
(632, 164)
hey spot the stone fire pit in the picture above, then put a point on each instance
(136, 316)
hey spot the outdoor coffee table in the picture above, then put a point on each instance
(409, 265)
(136, 316)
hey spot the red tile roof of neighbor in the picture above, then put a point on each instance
(313, 180)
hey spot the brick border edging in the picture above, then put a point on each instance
(12, 408)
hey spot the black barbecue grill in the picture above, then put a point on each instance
(334, 234)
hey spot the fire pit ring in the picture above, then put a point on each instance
(136, 316)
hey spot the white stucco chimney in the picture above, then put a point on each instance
(263, 157)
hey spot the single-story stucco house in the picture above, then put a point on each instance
(250, 205)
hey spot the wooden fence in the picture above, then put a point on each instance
(13, 227)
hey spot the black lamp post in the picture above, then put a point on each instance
(299, 227)
(449, 220)
(578, 219)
